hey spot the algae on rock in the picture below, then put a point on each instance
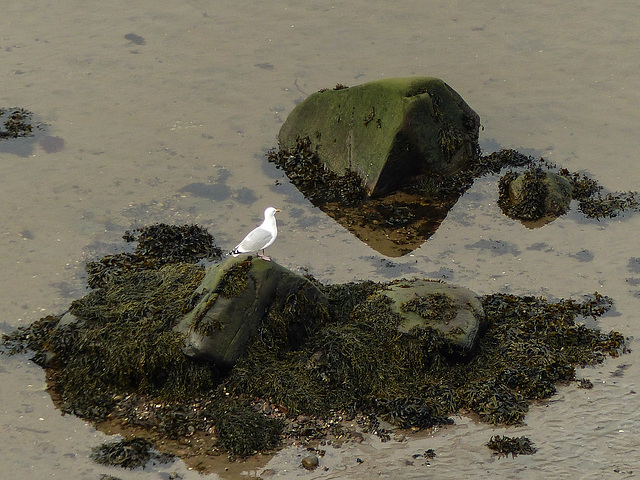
(234, 297)
(390, 132)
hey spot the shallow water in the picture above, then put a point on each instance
(173, 129)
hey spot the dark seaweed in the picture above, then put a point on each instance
(511, 445)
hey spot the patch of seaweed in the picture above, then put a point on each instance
(243, 431)
(131, 453)
(235, 279)
(120, 342)
(437, 306)
(592, 202)
(158, 245)
(16, 122)
(515, 446)
(365, 364)
(126, 335)
(314, 179)
(290, 320)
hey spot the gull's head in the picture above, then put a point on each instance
(270, 212)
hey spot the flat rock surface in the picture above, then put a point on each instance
(463, 329)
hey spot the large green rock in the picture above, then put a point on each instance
(235, 299)
(391, 132)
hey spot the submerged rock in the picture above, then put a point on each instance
(236, 297)
(390, 132)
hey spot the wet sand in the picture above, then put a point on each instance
(173, 129)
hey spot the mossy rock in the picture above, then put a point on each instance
(535, 195)
(456, 312)
(237, 296)
(391, 132)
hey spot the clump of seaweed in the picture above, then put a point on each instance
(313, 179)
(173, 244)
(450, 140)
(243, 431)
(585, 384)
(235, 279)
(126, 334)
(437, 306)
(410, 412)
(593, 203)
(361, 362)
(290, 320)
(364, 363)
(515, 446)
(158, 245)
(16, 122)
(33, 338)
(132, 453)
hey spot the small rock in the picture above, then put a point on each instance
(310, 462)
(535, 195)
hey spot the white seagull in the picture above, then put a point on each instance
(260, 237)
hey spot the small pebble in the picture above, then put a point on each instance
(310, 462)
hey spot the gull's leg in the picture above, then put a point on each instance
(263, 256)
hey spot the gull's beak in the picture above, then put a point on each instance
(277, 209)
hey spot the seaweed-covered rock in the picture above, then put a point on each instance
(535, 194)
(237, 296)
(456, 312)
(391, 132)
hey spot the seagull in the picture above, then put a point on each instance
(260, 237)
